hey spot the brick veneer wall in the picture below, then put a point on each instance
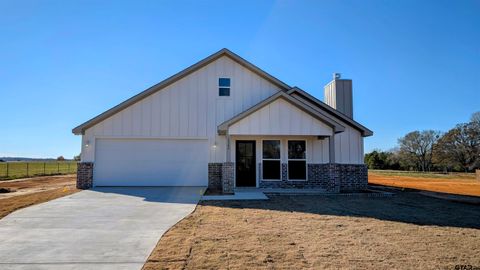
(227, 177)
(85, 175)
(215, 176)
(352, 177)
(221, 176)
(329, 177)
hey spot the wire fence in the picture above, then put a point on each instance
(12, 170)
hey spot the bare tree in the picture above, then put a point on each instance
(417, 147)
(475, 118)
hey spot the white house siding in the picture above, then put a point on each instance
(280, 118)
(188, 108)
(349, 146)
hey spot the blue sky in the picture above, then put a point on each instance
(414, 64)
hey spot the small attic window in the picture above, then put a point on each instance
(224, 87)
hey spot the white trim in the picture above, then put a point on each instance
(229, 88)
(279, 160)
(305, 159)
(149, 138)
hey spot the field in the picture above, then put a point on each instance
(32, 191)
(12, 170)
(454, 183)
(406, 231)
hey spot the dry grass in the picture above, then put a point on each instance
(408, 231)
(462, 184)
(34, 191)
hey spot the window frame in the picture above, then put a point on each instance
(224, 87)
(272, 159)
(297, 159)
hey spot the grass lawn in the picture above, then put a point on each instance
(457, 183)
(34, 191)
(407, 231)
(13, 170)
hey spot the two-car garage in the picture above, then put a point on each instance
(151, 162)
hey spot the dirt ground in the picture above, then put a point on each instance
(406, 231)
(460, 185)
(30, 191)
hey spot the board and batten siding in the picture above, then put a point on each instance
(280, 118)
(187, 109)
(348, 144)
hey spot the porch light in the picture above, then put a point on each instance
(87, 143)
(214, 145)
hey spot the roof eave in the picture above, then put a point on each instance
(365, 131)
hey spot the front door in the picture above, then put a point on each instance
(245, 163)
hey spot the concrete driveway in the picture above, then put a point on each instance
(105, 228)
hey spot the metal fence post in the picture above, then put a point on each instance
(7, 170)
(44, 172)
(58, 167)
(68, 167)
(27, 169)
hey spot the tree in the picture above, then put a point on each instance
(475, 118)
(76, 158)
(381, 160)
(460, 146)
(374, 160)
(417, 148)
(60, 158)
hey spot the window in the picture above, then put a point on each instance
(224, 87)
(297, 162)
(271, 160)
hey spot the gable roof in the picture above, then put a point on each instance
(161, 85)
(324, 107)
(337, 127)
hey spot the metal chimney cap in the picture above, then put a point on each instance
(337, 75)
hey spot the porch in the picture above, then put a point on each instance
(282, 143)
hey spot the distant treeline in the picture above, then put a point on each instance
(455, 150)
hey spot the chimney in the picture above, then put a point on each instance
(338, 95)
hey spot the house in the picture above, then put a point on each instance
(225, 123)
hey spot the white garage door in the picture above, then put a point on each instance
(120, 162)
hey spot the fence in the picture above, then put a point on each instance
(11, 170)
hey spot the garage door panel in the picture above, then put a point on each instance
(151, 162)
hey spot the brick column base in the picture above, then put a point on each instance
(220, 177)
(85, 175)
(215, 176)
(227, 177)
